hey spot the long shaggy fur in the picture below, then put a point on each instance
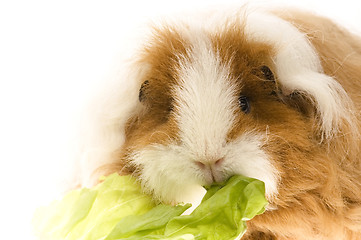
(173, 119)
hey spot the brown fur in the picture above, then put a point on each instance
(326, 203)
(320, 188)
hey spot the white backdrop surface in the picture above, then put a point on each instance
(51, 54)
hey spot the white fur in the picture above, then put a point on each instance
(205, 100)
(102, 129)
(246, 157)
(167, 173)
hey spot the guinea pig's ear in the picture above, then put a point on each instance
(268, 74)
(265, 73)
(296, 99)
(302, 102)
(142, 91)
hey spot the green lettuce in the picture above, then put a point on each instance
(117, 209)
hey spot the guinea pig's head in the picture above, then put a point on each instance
(211, 105)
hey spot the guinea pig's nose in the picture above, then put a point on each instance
(209, 162)
(212, 170)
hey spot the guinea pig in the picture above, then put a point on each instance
(274, 96)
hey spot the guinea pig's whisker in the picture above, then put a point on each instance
(278, 137)
(342, 63)
(160, 133)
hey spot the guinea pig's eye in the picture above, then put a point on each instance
(267, 73)
(244, 104)
(141, 95)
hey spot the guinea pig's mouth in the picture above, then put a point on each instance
(215, 184)
(212, 172)
(174, 172)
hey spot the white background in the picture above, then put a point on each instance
(51, 54)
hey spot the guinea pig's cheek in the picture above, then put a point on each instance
(165, 172)
(245, 156)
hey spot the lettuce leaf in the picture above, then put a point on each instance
(117, 209)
